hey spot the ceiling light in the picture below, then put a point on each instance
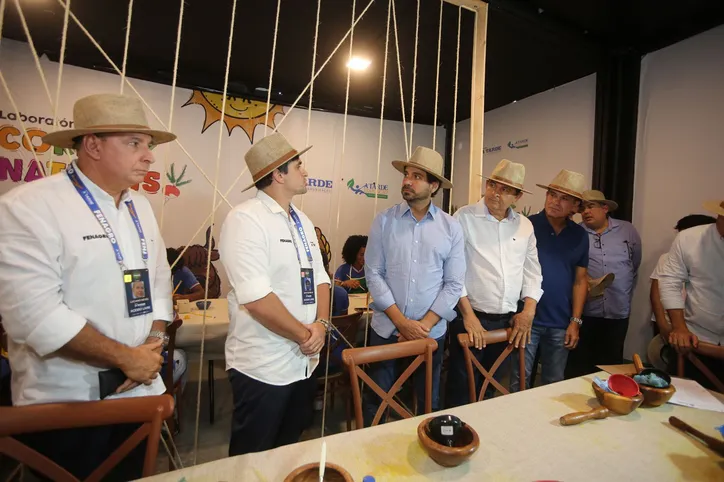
(358, 63)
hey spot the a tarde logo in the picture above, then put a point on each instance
(488, 150)
(520, 144)
(319, 185)
(369, 189)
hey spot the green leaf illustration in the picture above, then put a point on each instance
(350, 183)
(183, 182)
(182, 173)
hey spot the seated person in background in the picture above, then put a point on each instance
(185, 284)
(340, 303)
(351, 275)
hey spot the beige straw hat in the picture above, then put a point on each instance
(567, 182)
(429, 161)
(509, 173)
(268, 154)
(107, 114)
(717, 207)
(598, 197)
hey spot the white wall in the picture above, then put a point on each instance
(679, 154)
(184, 214)
(558, 125)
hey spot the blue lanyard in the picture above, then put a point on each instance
(101, 218)
(302, 236)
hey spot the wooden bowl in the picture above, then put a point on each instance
(655, 397)
(444, 455)
(310, 473)
(617, 403)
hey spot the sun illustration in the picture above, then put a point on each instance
(239, 112)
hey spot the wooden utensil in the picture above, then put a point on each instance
(714, 444)
(577, 417)
(653, 396)
(610, 402)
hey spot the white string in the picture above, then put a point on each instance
(271, 70)
(170, 113)
(22, 125)
(455, 103)
(173, 455)
(61, 62)
(437, 77)
(125, 48)
(33, 50)
(2, 17)
(311, 88)
(213, 212)
(399, 76)
(414, 80)
(294, 104)
(135, 91)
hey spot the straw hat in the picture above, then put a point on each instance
(567, 182)
(717, 207)
(597, 286)
(509, 173)
(110, 114)
(268, 154)
(429, 161)
(598, 197)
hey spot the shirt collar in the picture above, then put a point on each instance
(481, 209)
(98, 193)
(405, 208)
(612, 224)
(271, 204)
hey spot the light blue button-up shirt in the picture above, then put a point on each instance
(617, 250)
(417, 265)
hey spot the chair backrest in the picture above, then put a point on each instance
(347, 325)
(150, 411)
(491, 337)
(422, 350)
(170, 349)
(708, 350)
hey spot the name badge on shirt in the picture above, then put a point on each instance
(308, 292)
(138, 292)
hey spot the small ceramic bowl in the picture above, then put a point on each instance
(203, 304)
(448, 456)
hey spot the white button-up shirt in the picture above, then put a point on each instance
(262, 253)
(696, 263)
(58, 271)
(502, 259)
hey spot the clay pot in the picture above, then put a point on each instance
(444, 455)
(310, 473)
(653, 397)
(617, 403)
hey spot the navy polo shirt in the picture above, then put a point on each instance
(559, 255)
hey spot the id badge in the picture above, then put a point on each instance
(138, 292)
(308, 291)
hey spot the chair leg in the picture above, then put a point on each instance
(348, 403)
(211, 391)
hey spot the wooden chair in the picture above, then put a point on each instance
(173, 389)
(150, 411)
(491, 337)
(422, 350)
(337, 383)
(705, 349)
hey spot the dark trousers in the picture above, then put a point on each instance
(385, 374)
(600, 343)
(456, 393)
(81, 450)
(268, 416)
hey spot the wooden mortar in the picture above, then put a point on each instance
(653, 397)
(444, 455)
(610, 402)
(310, 473)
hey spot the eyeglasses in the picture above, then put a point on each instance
(597, 242)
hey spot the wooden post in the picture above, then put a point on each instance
(477, 97)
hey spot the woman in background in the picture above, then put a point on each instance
(185, 284)
(351, 275)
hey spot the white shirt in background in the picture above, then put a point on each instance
(258, 248)
(696, 263)
(502, 259)
(58, 272)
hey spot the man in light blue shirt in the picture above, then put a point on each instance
(415, 268)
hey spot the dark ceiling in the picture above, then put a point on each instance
(533, 45)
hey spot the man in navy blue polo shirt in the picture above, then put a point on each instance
(563, 255)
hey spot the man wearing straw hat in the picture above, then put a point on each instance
(614, 250)
(415, 268)
(278, 303)
(502, 269)
(563, 255)
(72, 246)
(696, 263)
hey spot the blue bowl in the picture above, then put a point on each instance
(203, 304)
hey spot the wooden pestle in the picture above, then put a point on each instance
(714, 444)
(578, 417)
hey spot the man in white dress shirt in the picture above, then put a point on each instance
(278, 303)
(71, 247)
(502, 269)
(696, 263)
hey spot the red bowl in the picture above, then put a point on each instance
(623, 385)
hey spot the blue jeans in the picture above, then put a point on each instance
(385, 374)
(553, 357)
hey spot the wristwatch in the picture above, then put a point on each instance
(325, 323)
(577, 320)
(160, 335)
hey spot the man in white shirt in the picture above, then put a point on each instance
(696, 263)
(278, 304)
(502, 269)
(71, 247)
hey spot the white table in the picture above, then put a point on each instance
(521, 439)
(358, 300)
(188, 335)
